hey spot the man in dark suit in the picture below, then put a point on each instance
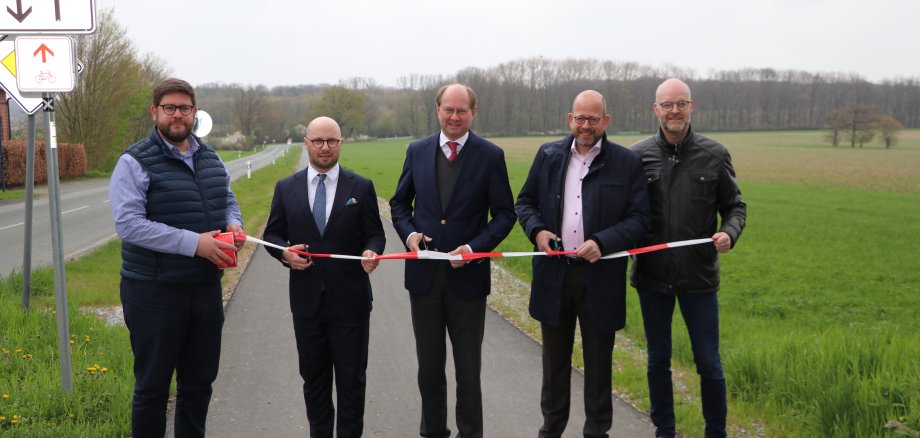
(588, 195)
(451, 182)
(330, 298)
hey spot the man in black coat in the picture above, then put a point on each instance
(691, 183)
(330, 298)
(588, 195)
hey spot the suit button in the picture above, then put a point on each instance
(443, 221)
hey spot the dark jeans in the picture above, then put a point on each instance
(597, 351)
(330, 348)
(701, 314)
(435, 315)
(173, 327)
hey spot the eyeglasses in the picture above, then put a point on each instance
(681, 105)
(170, 109)
(319, 142)
(593, 121)
(451, 111)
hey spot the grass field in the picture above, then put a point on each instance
(819, 298)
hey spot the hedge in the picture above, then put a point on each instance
(71, 162)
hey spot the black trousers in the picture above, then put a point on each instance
(173, 328)
(558, 340)
(436, 315)
(333, 347)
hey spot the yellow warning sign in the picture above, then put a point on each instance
(9, 61)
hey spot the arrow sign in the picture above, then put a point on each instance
(19, 15)
(43, 17)
(48, 74)
(45, 50)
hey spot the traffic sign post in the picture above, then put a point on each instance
(27, 223)
(45, 65)
(57, 244)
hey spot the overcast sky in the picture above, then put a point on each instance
(290, 42)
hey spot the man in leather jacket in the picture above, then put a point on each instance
(691, 181)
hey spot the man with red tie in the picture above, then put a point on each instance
(451, 183)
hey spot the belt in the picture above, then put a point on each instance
(575, 261)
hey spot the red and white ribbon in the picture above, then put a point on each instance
(434, 255)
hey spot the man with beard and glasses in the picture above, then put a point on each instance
(326, 208)
(691, 182)
(583, 194)
(170, 196)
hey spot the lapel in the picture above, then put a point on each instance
(427, 168)
(344, 188)
(565, 154)
(301, 190)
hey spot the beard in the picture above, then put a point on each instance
(168, 132)
(675, 126)
(580, 141)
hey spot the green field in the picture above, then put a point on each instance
(819, 299)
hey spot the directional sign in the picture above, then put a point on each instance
(8, 79)
(23, 17)
(44, 64)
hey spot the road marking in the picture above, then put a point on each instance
(11, 226)
(76, 209)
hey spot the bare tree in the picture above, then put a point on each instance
(248, 109)
(858, 120)
(888, 129)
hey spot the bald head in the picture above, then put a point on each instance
(672, 86)
(674, 108)
(325, 126)
(590, 98)
(323, 143)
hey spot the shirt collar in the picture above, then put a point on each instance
(596, 149)
(462, 140)
(331, 176)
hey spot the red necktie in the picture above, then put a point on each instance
(453, 150)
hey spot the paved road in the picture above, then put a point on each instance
(86, 219)
(259, 391)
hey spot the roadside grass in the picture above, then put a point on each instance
(818, 301)
(100, 404)
(13, 194)
(230, 155)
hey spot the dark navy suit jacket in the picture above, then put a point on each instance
(482, 189)
(616, 214)
(353, 226)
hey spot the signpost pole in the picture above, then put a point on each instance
(60, 285)
(27, 223)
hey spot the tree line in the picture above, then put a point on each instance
(532, 96)
(109, 109)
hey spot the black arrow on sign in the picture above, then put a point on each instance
(57, 10)
(19, 15)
